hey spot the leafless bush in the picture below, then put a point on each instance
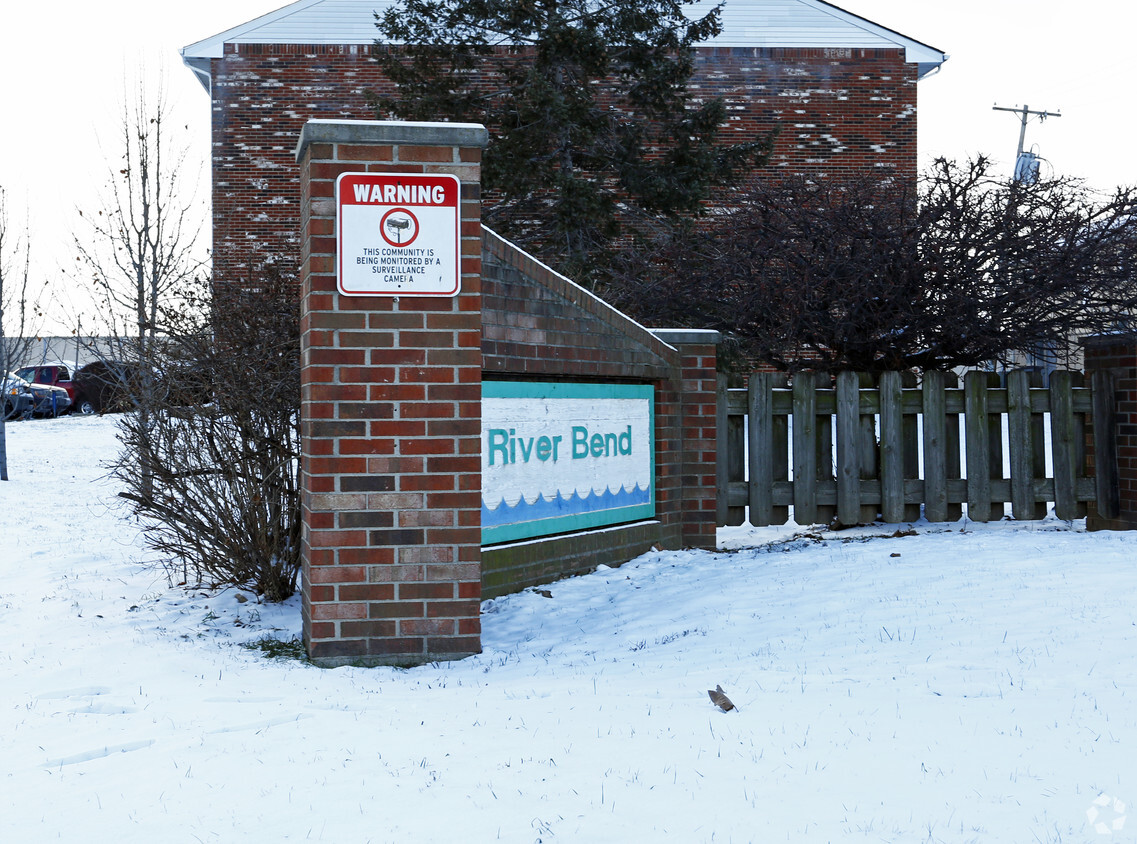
(222, 444)
(869, 276)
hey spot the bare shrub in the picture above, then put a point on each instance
(222, 501)
(870, 276)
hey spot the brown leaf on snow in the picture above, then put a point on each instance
(719, 699)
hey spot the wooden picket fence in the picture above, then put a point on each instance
(862, 451)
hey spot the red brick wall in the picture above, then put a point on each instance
(391, 430)
(393, 568)
(839, 111)
(1118, 356)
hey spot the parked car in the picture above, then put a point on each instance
(58, 374)
(49, 400)
(18, 399)
(103, 387)
(52, 373)
(97, 387)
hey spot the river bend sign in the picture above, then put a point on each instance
(560, 457)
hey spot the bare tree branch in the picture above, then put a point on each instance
(866, 275)
(140, 250)
(223, 444)
(19, 317)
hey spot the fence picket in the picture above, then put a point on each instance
(978, 447)
(848, 448)
(911, 428)
(781, 462)
(952, 449)
(1038, 445)
(805, 450)
(1062, 438)
(935, 446)
(869, 451)
(1021, 444)
(760, 402)
(891, 455)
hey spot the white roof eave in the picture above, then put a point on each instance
(213, 47)
(276, 28)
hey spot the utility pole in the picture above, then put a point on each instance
(1025, 113)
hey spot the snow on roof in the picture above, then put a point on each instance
(746, 23)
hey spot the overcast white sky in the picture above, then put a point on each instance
(63, 65)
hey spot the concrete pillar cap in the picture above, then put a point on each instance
(374, 132)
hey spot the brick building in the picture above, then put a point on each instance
(841, 89)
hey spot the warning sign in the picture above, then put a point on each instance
(398, 234)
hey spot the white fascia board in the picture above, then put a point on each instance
(748, 23)
(774, 24)
(917, 52)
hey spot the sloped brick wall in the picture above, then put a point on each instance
(538, 325)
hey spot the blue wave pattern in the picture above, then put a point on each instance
(542, 508)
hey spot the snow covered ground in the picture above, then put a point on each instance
(969, 683)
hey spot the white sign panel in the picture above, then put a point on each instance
(398, 234)
(561, 456)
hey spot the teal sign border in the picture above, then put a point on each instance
(580, 521)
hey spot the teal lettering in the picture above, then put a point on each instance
(597, 443)
(498, 440)
(502, 446)
(579, 442)
(610, 448)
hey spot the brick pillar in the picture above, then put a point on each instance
(391, 419)
(698, 350)
(1115, 355)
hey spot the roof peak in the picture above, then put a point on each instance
(746, 23)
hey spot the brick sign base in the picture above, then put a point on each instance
(391, 392)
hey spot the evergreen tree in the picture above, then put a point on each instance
(594, 133)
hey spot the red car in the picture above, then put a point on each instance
(102, 386)
(58, 375)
